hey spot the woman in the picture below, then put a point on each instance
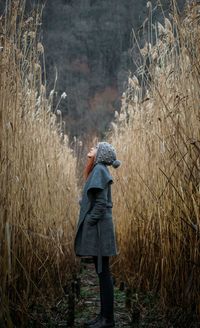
(95, 234)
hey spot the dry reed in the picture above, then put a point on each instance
(157, 193)
(38, 199)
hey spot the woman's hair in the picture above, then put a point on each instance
(88, 167)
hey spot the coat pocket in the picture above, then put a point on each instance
(90, 221)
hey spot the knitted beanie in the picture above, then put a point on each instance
(106, 154)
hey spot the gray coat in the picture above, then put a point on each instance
(95, 233)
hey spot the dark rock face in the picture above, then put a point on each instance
(88, 42)
(91, 45)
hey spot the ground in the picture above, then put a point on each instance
(85, 306)
(144, 310)
(89, 303)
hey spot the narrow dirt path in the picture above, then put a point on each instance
(145, 311)
(83, 305)
(89, 302)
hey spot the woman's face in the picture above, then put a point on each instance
(92, 152)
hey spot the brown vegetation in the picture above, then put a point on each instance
(157, 199)
(156, 194)
(38, 199)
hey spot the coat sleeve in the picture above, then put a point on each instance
(97, 190)
(100, 178)
(99, 201)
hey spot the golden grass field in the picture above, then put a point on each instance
(156, 193)
(157, 189)
(38, 199)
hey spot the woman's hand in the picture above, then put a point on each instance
(99, 201)
(91, 221)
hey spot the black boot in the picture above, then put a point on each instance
(103, 323)
(92, 321)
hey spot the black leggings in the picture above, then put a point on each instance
(106, 288)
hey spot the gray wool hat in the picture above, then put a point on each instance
(106, 154)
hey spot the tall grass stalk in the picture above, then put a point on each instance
(38, 199)
(157, 193)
